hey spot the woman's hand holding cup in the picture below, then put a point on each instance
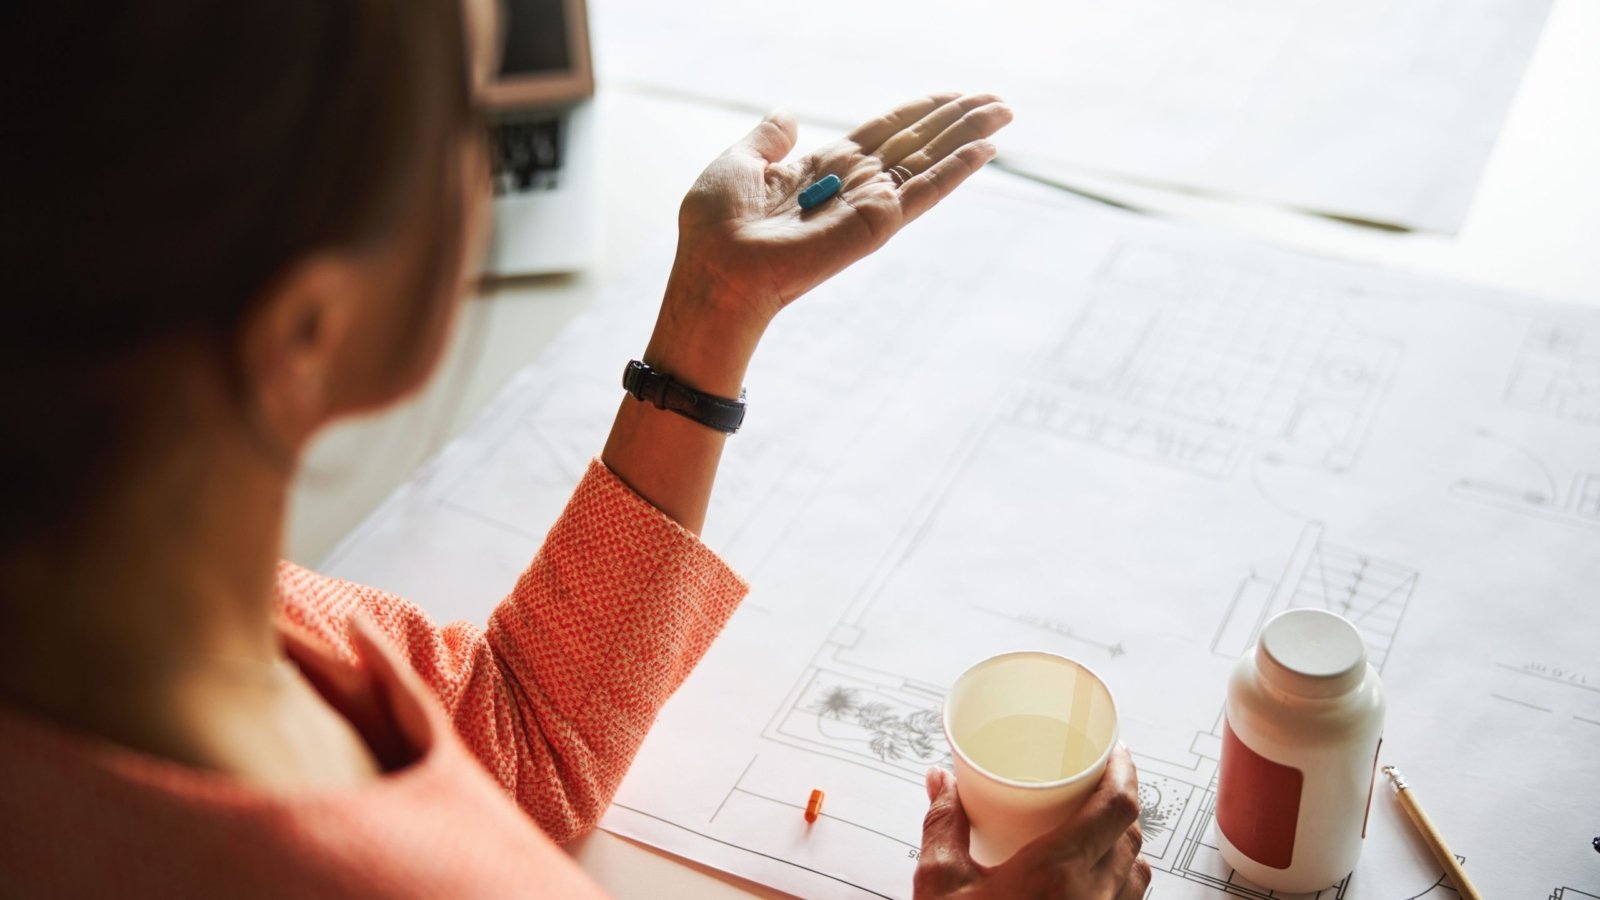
(1093, 854)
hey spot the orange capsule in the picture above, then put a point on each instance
(814, 806)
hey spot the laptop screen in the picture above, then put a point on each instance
(535, 38)
(544, 55)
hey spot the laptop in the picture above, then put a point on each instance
(542, 142)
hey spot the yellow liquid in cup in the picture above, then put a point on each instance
(1030, 748)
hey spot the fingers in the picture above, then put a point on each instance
(1138, 881)
(921, 192)
(772, 138)
(973, 125)
(1123, 867)
(874, 132)
(1119, 861)
(918, 134)
(1106, 816)
(945, 863)
(944, 829)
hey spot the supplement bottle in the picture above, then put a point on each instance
(1300, 740)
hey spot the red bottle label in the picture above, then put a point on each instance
(1258, 802)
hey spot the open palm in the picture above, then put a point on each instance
(742, 224)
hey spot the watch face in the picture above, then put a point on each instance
(631, 375)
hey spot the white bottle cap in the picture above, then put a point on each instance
(1312, 653)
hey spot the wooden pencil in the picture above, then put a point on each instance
(1441, 852)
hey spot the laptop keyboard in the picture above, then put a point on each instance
(526, 153)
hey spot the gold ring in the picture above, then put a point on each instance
(900, 174)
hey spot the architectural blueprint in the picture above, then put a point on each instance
(1120, 440)
(1376, 109)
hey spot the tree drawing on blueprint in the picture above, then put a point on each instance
(890, 732)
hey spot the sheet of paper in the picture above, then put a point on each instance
(1033, 424)
(1376, 109)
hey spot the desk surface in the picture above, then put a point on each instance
(1532, 229)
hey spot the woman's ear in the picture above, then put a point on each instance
(293, 345)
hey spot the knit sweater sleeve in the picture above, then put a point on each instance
(555, 696)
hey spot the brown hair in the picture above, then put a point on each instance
(164, 160)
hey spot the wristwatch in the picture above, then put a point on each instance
(660, 391)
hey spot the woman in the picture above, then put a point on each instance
(234, 223)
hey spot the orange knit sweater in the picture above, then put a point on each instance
(553, 700)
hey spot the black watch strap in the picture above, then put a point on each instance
(660, 391)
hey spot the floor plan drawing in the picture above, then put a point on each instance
(1557, 690)
(1557, 371)
(1119, 440)
(1369, 592)
(1193, 362)
(1521, 480)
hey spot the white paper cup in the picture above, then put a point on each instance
(1029, 733)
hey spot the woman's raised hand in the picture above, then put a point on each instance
(744, 237)
(1092, 856)
(746, 249)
